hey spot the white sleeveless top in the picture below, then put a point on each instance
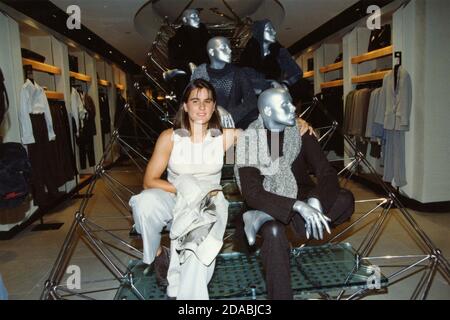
(203, 160)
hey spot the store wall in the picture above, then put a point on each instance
(421, 32)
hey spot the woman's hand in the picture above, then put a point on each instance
(305, 127)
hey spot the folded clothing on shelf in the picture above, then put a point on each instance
(28, 54)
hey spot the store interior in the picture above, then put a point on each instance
(85, 107)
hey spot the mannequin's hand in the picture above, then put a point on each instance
(277, 85)
(305, 127)
(225, 118)
(315, 221)
(192, 67)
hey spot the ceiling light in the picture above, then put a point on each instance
(89, 38)
(110, 52)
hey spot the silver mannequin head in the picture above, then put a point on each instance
(276, 109)
(191, 18)
(270, 35)
(219, 52)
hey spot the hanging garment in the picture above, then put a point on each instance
(43, 158)
(360, 109)
(4, 102)
(332, 100)
(87, 133)
(105, 118)
(78, 111)
(64, 165)
(394, 114)
(348, 111)
(33, 101)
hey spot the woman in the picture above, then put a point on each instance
(195, 146)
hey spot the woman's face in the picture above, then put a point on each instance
(200, 106)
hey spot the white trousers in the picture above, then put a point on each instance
(152, 211)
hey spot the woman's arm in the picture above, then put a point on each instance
(158, 163)
(305, 127)
(230, 137)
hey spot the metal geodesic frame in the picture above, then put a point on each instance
(430, 262)
(94, 234)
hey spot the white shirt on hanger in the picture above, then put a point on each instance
(33, 101)
(77, 109)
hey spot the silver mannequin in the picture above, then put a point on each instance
(278, 112)
(219, 53)
(189, 18)
(270, 36)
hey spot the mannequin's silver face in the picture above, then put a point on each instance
(270, 35)
(192, 19)
(222, 51)
(283, 111)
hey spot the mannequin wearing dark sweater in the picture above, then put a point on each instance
(234, 88)
(188, 45)
(268, 57)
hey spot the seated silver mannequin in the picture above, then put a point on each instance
(277, 111)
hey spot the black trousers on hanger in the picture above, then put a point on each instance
(275, 251)
(86, 147)
(43, 159)
(65, 165)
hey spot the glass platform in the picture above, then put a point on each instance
(240, 277)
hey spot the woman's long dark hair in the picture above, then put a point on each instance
(182, 117)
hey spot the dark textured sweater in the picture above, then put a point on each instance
(235, 93)
(311, 158)
(188, 45)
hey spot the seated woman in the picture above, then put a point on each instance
(195, 147)
(192, 152)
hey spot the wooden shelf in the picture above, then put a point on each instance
(54, 95)
(372, 55)
(308, 74)
(39, 66)
(331, 84)
(104, 83)
(120, 86)
(375, 76)
(332, 67)
(80, 76)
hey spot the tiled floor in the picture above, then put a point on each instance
(26, 261)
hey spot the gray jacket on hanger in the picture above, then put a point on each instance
(397, 109)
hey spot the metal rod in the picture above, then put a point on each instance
(119, 275)
(429, 279)
(105, 174)
(356, 222)
(115, 237)
(396, 274)
(133, 149)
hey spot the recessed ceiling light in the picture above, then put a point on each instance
(89, 38)
(124, 61)
(110, 52)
